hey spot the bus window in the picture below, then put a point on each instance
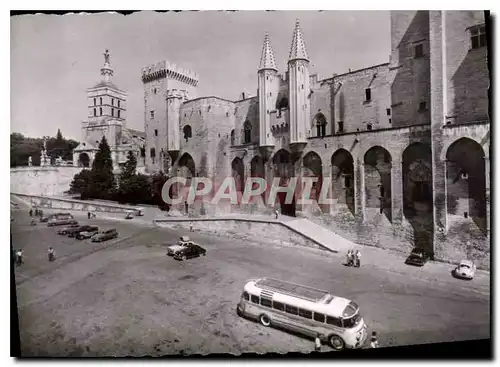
(255, 299)
(291, 309)
(278, 306)
(350, 310)
(246, 297)
(333, 321)
(305, 313)
(266, 302)
(319, 317)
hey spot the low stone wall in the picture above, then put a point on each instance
(71, 204)
(49, 181)
(244, 230)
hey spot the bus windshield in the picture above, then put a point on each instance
(352, 321)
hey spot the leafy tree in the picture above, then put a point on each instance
(102, 185)
(80, 183)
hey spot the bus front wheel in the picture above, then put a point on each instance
(336, 342)
(264, 320)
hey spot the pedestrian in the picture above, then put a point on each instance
(358, 258)
(88, 215)
(350, 257)
(36, 212)
(31, 212)
(19, 257)
(41, 213)
(374, 340)
(276, 213)
(186, 207)
(191, 227)
(51, 254)
(317, 343)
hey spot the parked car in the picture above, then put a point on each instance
(87, 233)
(183, 241)
(189, 251)
(67, 229)
(105, 235)
(418, 257)
(465, 270)
(74, 231)
(60, 221)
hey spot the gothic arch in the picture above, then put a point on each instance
(313, 167)
(238, 173)
(283, 168)
(378, 162)
(343, 178)
(233, 139)
(466, 181)
(187, 132)
(319, 125)
(247, 132)
(257, 169)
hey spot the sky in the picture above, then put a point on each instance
(54, 58)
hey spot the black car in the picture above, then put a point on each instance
(189, 251)
(73, 232)
(418, 257)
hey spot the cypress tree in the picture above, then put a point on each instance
(103, 184)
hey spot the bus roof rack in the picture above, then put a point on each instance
(292, 289)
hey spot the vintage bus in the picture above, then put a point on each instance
(305, 310)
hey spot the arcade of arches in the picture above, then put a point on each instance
(378, 187)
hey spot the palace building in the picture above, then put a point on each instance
(107, 117)
(406, 143)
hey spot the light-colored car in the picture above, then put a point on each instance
(183, 241)
(86, 234)
(465, 269)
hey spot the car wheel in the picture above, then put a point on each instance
(336, 342)
(204, 253)
(265, 320)
(184, 257)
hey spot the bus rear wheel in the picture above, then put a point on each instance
(336, 342)
(264, 320)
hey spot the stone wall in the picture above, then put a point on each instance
(46, 181)
(73, 205)
(244, 230)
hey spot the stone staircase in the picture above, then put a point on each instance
(321, 235)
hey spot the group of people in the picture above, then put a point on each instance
(354, 258)
(37, 213)
(90, 215)
(19, 259)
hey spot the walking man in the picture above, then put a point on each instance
(186, 207)
(31, 212)
(317, 343)
(374, 340)
(358, 258)
(51, 254)
(88, 215)
(19, 257)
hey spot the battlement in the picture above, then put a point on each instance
(166, 69)
(177, 93)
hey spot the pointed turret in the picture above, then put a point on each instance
(267, 58)
(298, 50)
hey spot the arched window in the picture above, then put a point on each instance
(118, 103)
(100, 111)
(100, 100)
(94, 101)
(247, 130)
(152, 154)
(95, 112)
(118, 113)
(187, 132)
(232, 137)
(320, 125)
(113, 112)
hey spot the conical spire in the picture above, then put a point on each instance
(267, 57)
(298, 50)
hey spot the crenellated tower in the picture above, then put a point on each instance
(299, 90)
(268, 80)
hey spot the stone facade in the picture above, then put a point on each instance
(406, 143)
(107, 117)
